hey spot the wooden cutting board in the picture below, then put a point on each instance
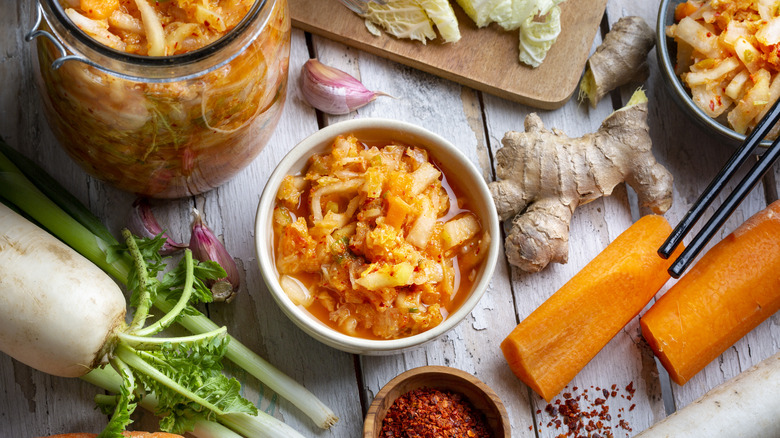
(484, 59)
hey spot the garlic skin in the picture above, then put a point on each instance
(206, 247)
(142, 223)
(333, 91)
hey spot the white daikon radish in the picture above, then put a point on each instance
(747, 406)
(61, 314)
(58, 311)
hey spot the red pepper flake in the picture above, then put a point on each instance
(574, 415)
(433, 413)
(630, 390)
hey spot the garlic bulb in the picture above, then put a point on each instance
(333, 91)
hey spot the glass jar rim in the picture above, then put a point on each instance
(156, 62)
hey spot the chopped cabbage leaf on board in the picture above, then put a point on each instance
(522, 10)
(402, 19)
(414, 19)
(480, 10)
(442, 15)
(538, 21)
(536, 37)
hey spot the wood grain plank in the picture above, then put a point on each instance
(484, 59)
(622, 361)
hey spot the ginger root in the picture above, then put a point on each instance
(620, 59)
(545, 175)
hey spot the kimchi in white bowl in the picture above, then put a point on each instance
(376, 236)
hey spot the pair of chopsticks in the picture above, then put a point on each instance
(744, 187)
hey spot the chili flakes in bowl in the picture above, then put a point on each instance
(430, 413)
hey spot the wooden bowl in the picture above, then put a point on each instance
(480, 395)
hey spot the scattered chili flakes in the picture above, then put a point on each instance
(430, 412)
(577, 416)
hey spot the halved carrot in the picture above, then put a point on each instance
(733, 288)
(549, 347)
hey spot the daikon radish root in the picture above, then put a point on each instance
(61, 314)
(747, 406)
(732, 289)
(71, 308)
(28, 188)
(549, 347)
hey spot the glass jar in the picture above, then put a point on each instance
(164, 127)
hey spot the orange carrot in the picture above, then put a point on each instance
(549, 347)
(732, 289)
(683, 10)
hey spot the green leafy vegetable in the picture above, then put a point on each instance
(123, 405)
(75, 225)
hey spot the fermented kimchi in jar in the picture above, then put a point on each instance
(163, 98)
(375, 241)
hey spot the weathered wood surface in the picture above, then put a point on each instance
(34, 404)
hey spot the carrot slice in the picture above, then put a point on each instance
(549, 347)
(683, 10)
(728, 292)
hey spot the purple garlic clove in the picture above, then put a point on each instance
(142, 223)
(333, 91)
(206, 247)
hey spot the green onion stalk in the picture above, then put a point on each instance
(29, 189)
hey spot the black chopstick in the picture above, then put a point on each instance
(739, 157)
(726, 209)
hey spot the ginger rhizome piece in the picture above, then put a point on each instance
(545, 175)
(620, 59)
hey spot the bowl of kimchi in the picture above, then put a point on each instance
(719, 62)
(376, 236)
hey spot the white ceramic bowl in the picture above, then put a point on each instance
(455, 165)
(666, 51)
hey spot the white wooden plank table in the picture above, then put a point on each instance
(33, 404)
